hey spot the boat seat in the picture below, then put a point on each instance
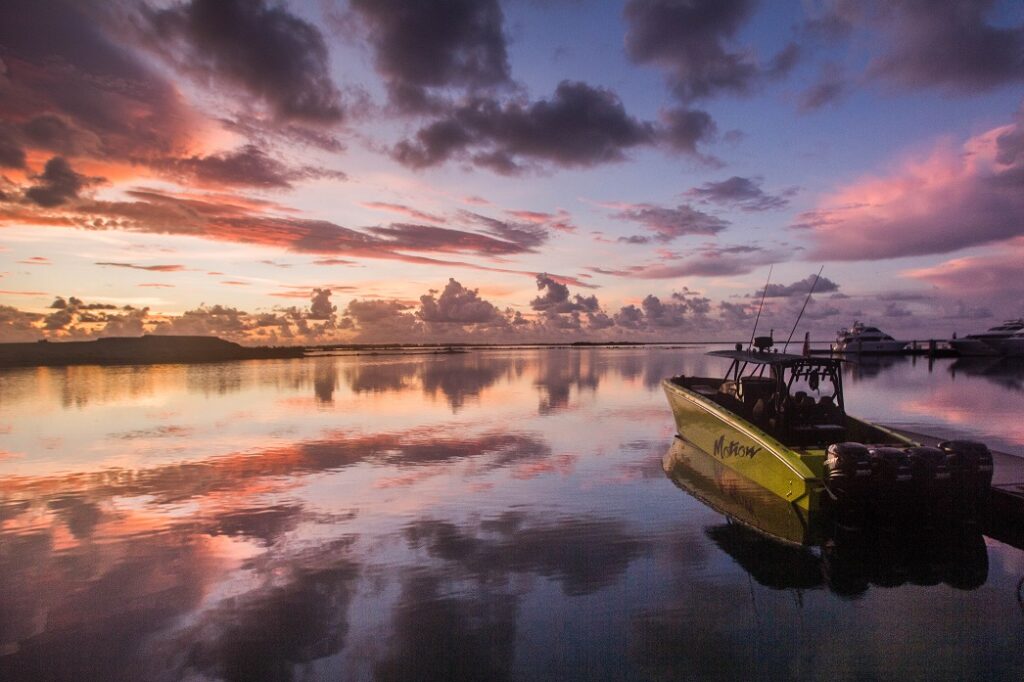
(754, 388)
(818, 434)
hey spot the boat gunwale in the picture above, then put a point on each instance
(773, 445)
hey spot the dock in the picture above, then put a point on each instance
(1004, 518)
(932, 348)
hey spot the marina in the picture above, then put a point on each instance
(361, 508)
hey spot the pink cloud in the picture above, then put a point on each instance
(148, 268)
(401, 209)
(953, 198)
(993, 277)
(560, 220)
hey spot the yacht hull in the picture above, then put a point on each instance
(859, 346)
(972, 347)
(1013, 345)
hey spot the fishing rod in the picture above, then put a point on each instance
(758, 318)
(806, 301)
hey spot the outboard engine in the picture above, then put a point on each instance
(970, 466)
(929, 471)
(847, 468)
(890, 470)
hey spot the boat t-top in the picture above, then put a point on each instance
(862, 339)
(989, 341)
(780, 421)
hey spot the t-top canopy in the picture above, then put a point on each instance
(761, 358)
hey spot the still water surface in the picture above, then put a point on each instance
(499, 514)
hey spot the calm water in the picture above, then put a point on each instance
(490, 515)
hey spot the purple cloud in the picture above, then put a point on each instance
(266, 51)
(667, 224)
(743, 193)
(579, 126)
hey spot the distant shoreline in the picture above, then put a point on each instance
(143, 350)
(153, 350)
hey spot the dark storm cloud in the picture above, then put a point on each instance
(423, 45)
(268, 51)
(72, 85)
(691, 42)
(669, 223)
(57, 184)
(579, 126)
(247, 166)
(743, 193)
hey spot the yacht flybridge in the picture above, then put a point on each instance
(780, 421)
(863, 339)
(990, 341)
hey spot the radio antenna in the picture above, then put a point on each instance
(806, 301)
(758, 318)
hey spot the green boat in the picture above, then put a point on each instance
(779, 420)
(785, 547)
(709, 480)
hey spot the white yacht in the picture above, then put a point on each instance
(1009, 345)
(987, 342)
(862, 339)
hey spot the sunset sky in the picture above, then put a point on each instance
(524, 170)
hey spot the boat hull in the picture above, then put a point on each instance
(1012, 345)
(727, 492)
(746, 449)
(971, 347)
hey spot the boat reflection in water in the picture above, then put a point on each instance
(1007, 372)
(783, 546)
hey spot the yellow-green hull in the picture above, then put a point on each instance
(793, 475)
(730, 493)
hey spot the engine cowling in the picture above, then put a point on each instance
(970, 465)
(890, 469)
(847, 467)
(929, 469)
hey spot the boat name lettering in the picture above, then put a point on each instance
(734, 449)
